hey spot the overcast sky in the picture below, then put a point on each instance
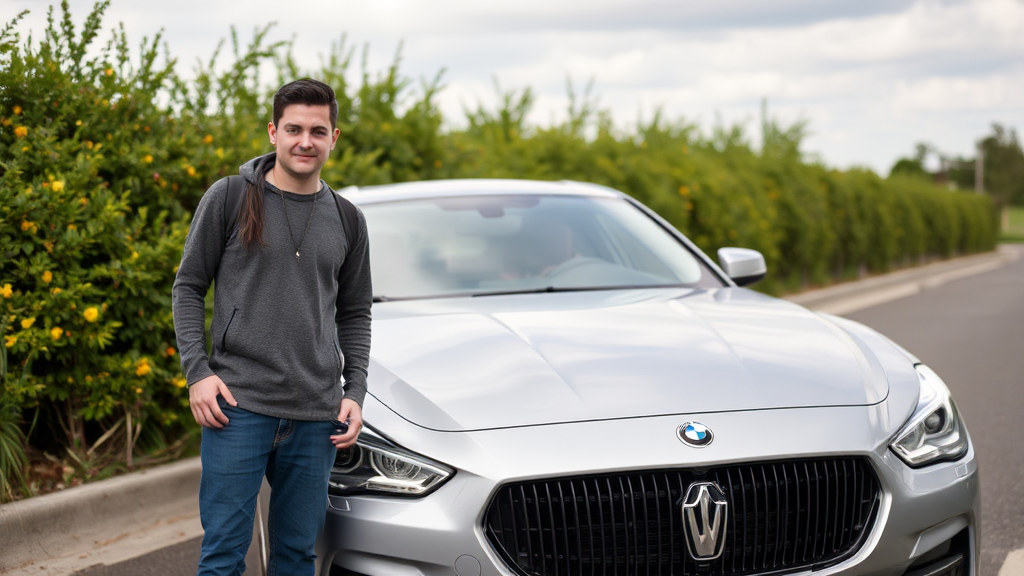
(873, 77)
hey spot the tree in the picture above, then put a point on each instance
(1004, 166)
(913, 166)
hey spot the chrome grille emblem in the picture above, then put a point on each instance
(704, 520)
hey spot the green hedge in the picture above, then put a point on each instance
(105, 151)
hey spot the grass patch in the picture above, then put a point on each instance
(1013, 228)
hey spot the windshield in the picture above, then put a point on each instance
(480, 245)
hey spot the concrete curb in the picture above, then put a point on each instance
(131, 515)
(79, 522)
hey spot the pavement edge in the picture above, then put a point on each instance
(81, 519)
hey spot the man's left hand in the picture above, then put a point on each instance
(353, 414)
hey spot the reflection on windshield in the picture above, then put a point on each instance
(499, 244)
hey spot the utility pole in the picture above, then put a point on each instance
(979, 170)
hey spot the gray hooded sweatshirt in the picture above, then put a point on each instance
(284, 331)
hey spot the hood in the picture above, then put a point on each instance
(257, 165)
(504, 361)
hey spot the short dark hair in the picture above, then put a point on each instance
(305, 91)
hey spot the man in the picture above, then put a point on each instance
(291, 317)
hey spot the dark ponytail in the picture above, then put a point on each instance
(250, 217)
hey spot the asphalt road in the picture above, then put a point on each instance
(970, 331)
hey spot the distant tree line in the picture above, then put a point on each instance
(1002, 167)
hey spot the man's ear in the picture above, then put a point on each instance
(272, 132)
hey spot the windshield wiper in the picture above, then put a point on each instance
(524, 291)
(382, 298)
(578, 289)
(539, 290)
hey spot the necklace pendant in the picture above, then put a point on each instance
(296, 255)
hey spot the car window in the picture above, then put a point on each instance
(479, 245)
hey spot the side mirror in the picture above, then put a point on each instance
(742, 265)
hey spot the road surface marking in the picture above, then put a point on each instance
(1014, 564)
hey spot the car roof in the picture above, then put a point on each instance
(472, 187)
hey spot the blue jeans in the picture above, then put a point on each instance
(296, 458)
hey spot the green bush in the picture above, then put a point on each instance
(89, 237)
(104, 155)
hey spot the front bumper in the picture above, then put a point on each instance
(442, 533)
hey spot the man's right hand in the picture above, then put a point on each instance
(202, 399)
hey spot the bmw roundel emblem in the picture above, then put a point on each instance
(695, 434)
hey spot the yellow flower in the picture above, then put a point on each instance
(48, 245)
(58, 185)
(25, 225)
(143, 368)
(148, 158)
(109, 71)
(138, 390)
(10, 341)
(83, 201)
(683, 190)
(78, 122)
(56, 333)
(171, 351)
(179, 382)
(16, 110)
(191, 171)
(7, 291)
(21, 131)
(208, 139)
(88, 378)
(5, 122)
(55, 291)
(437, 164)
(91, 314)
(27, 323)
(71, 226)
(47, 277)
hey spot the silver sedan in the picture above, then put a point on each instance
(563, 384)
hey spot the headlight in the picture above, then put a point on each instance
(375, 465)
(934, 432)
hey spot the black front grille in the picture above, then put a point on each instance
(782, 516)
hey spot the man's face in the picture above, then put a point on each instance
(303, 139)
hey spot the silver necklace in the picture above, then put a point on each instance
(284, 204)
